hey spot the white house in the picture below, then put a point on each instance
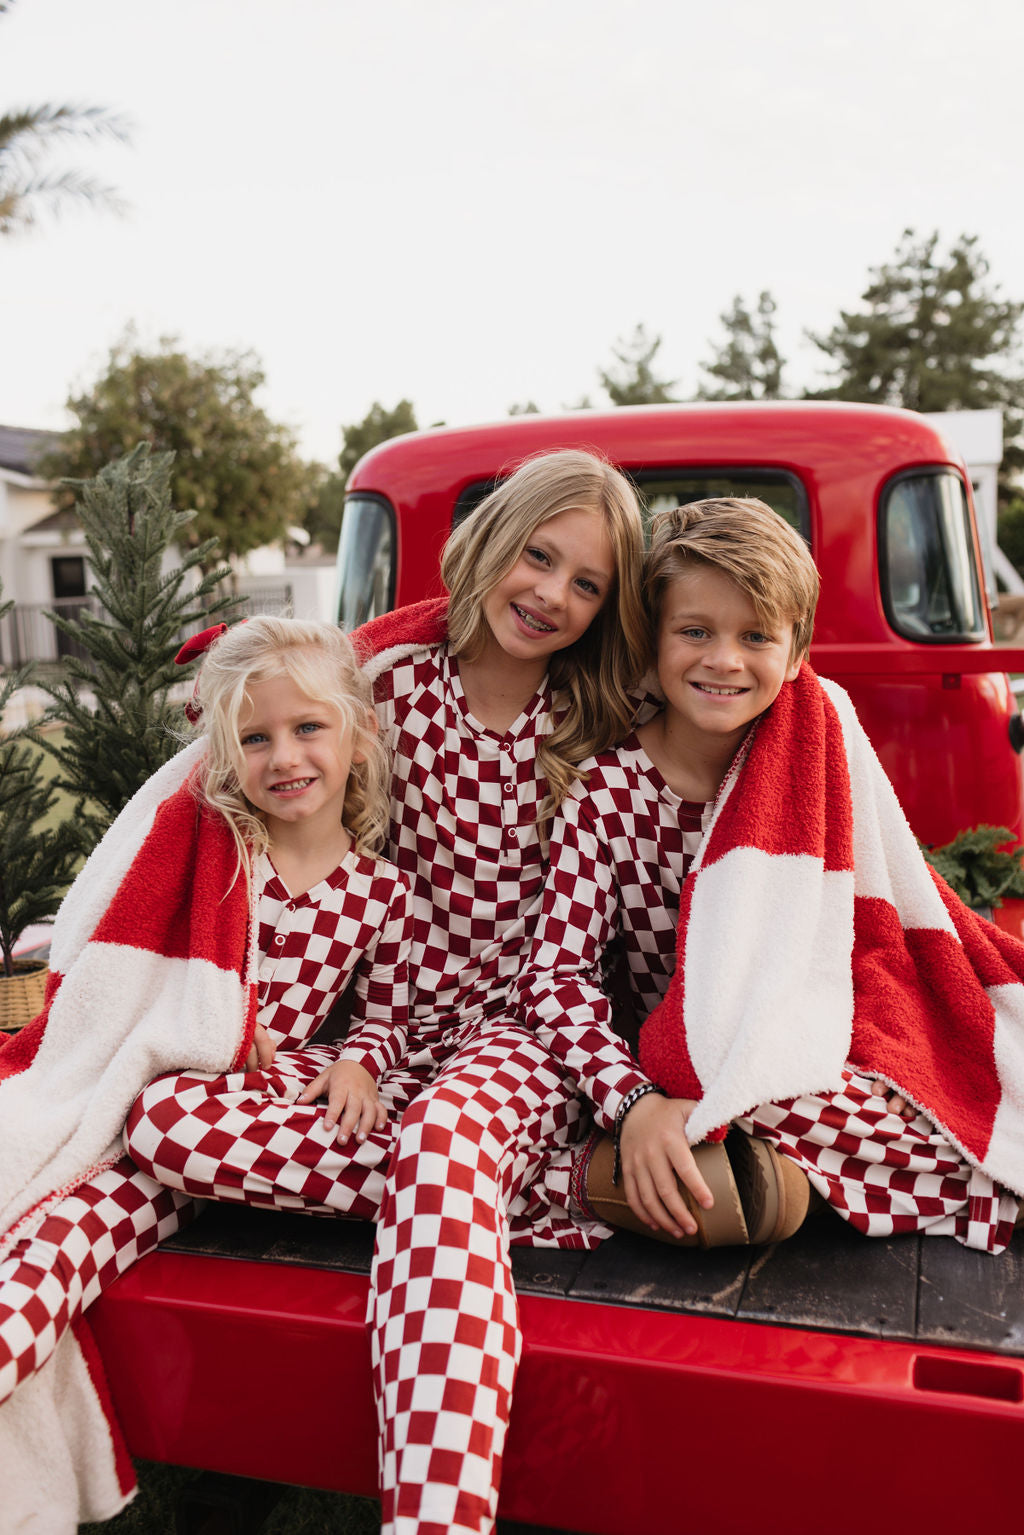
(42, 551)
(43, 559)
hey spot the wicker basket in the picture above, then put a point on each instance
(22, 994)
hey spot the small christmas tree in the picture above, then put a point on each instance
(37, 861)
(114, 695)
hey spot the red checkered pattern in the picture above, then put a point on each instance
(357, 921)
(882, 1173)
(196, 1134)
(243, 1138)
(463, 829)
(445, 1329)
(93, 1235)
(620, 849)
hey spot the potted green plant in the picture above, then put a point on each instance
(37, 860)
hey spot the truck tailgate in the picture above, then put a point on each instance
(658, 1390)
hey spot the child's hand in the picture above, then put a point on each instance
(654, 1151)
(352, 1101)
(263, 1051)
(897, 1104)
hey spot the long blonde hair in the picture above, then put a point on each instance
(596, 672)
(320, 661)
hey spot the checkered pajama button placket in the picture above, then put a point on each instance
(476, 886)
(358, 920)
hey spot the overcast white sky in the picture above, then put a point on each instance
(466, 202)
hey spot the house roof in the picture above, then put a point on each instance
(22, 446)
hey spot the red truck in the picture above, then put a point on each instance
(659, 1390)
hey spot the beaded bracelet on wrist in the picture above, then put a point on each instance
(633, 1096)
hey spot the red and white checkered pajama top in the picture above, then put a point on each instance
(463, 830)
(620, 849)
(355, 923)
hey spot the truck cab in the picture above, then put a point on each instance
(885, 504)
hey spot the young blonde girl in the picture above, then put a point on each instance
(292, 836)
(234, 900)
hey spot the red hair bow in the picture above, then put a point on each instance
(196, 646)
(198, 643)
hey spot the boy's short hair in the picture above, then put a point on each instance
(746, 540)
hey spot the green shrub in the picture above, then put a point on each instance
(978, 866)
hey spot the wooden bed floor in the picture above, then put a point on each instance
(827, 1277)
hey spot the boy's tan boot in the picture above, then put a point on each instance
(775, 1193)
(759, 1195)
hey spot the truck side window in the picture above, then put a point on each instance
(365, 583)
(930, 585)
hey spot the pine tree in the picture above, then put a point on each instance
(633, 381)
(929, 333)
(749, 365)
(37, 861)
(114, 695)
(933, 334)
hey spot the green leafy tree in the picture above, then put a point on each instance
(323, 520)
(114, 697)
(378, 425)
(29, 137)
(237, 471)
(632, 380)
(37, 858)
(933, 333)
(748, 366)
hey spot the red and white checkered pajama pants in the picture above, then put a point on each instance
(50, 1277)
(477, 1159)
(443, 1311)
(882, 1173)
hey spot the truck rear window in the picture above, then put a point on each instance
(930, 585)
(366, 561)
(661, 489)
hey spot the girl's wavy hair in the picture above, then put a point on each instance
(749, 542)
(596, 672)
(320, 661)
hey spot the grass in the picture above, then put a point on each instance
(301, 1510)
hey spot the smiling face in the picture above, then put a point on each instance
(296, 757)
(718, 665)
(556, 588)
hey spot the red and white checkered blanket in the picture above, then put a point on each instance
(812, 932)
